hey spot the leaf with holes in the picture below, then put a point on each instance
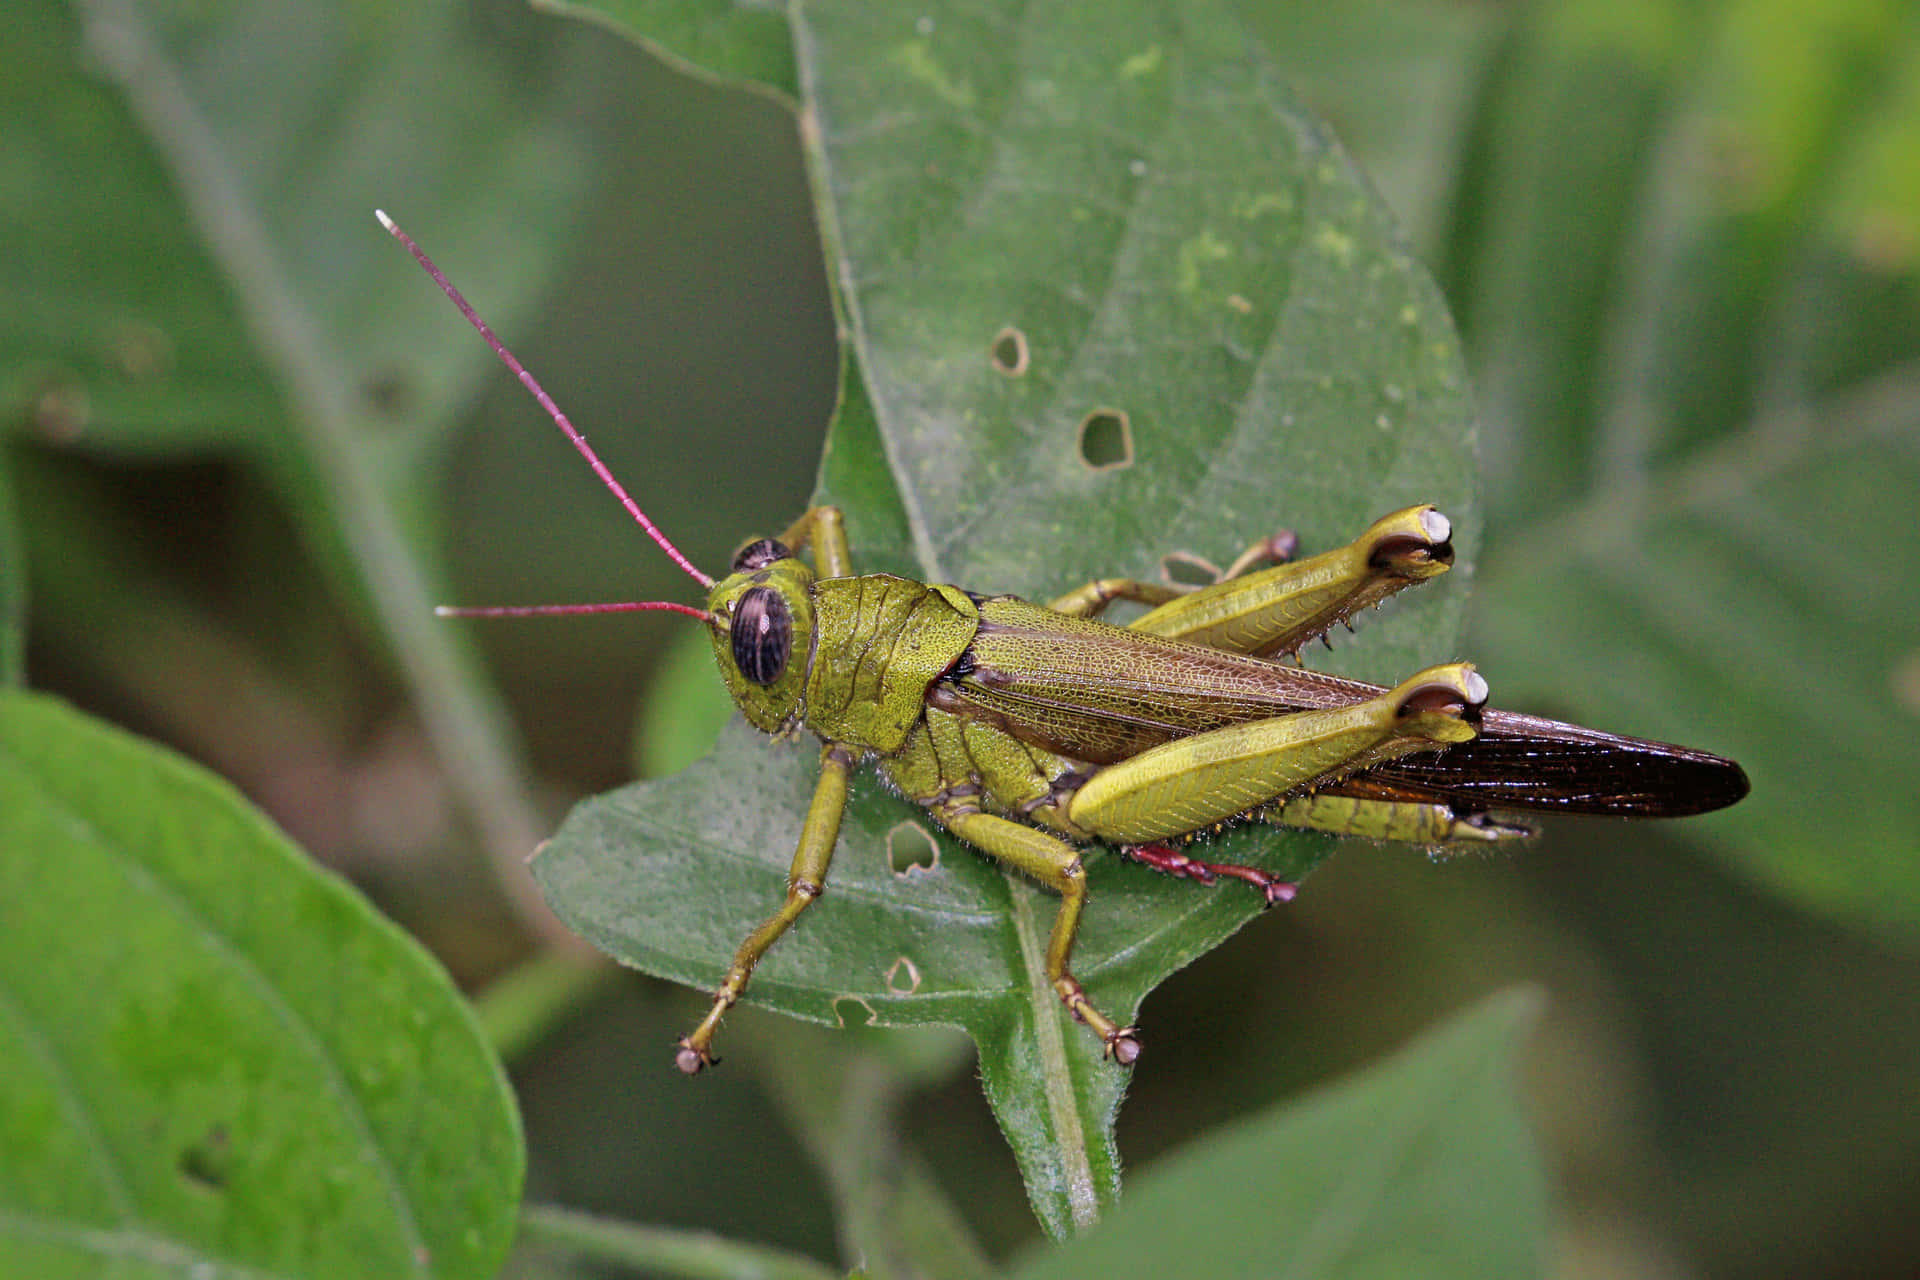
(215, 1058)
(1110, 295)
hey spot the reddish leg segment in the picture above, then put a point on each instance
(1167, 859)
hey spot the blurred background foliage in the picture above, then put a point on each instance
(1680, 238)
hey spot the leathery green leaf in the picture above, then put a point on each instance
(214, 1058)
(1441, 1177)
(1111, 294)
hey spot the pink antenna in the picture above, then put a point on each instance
(530, 610)
(528, 381)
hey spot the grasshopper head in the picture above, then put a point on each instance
(762, 629)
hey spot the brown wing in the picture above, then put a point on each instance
(1525, 762)
(1100, 693)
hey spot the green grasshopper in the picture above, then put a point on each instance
(1028, 730)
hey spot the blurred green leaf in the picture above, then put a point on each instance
(13, 580)
(1688, 618)
(1175, 241)
(1437, 1176)
(216, 1056)
(118, 331)
(183, 285)
(575, 1241)
(1689, 275)
(1398, 82)
(228, 154)
(742, 42)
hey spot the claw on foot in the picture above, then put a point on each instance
(1122, 1044)
(1174, 863)
(692, 1060)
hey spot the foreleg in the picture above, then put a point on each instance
(806, 881)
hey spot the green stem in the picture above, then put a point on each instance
(845, 1105)
(518, 1010)
(697, 1255)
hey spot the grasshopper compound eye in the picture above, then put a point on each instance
(758, 555)
(762, 635)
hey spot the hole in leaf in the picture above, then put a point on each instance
(1106, 440)
(903, 977)
(864, 1018)
(910, 848)
(1010, 354)
(208, 1163)
(1185, 569)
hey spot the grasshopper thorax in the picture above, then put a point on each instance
(762, 625)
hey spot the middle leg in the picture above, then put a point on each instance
(1055, 864)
